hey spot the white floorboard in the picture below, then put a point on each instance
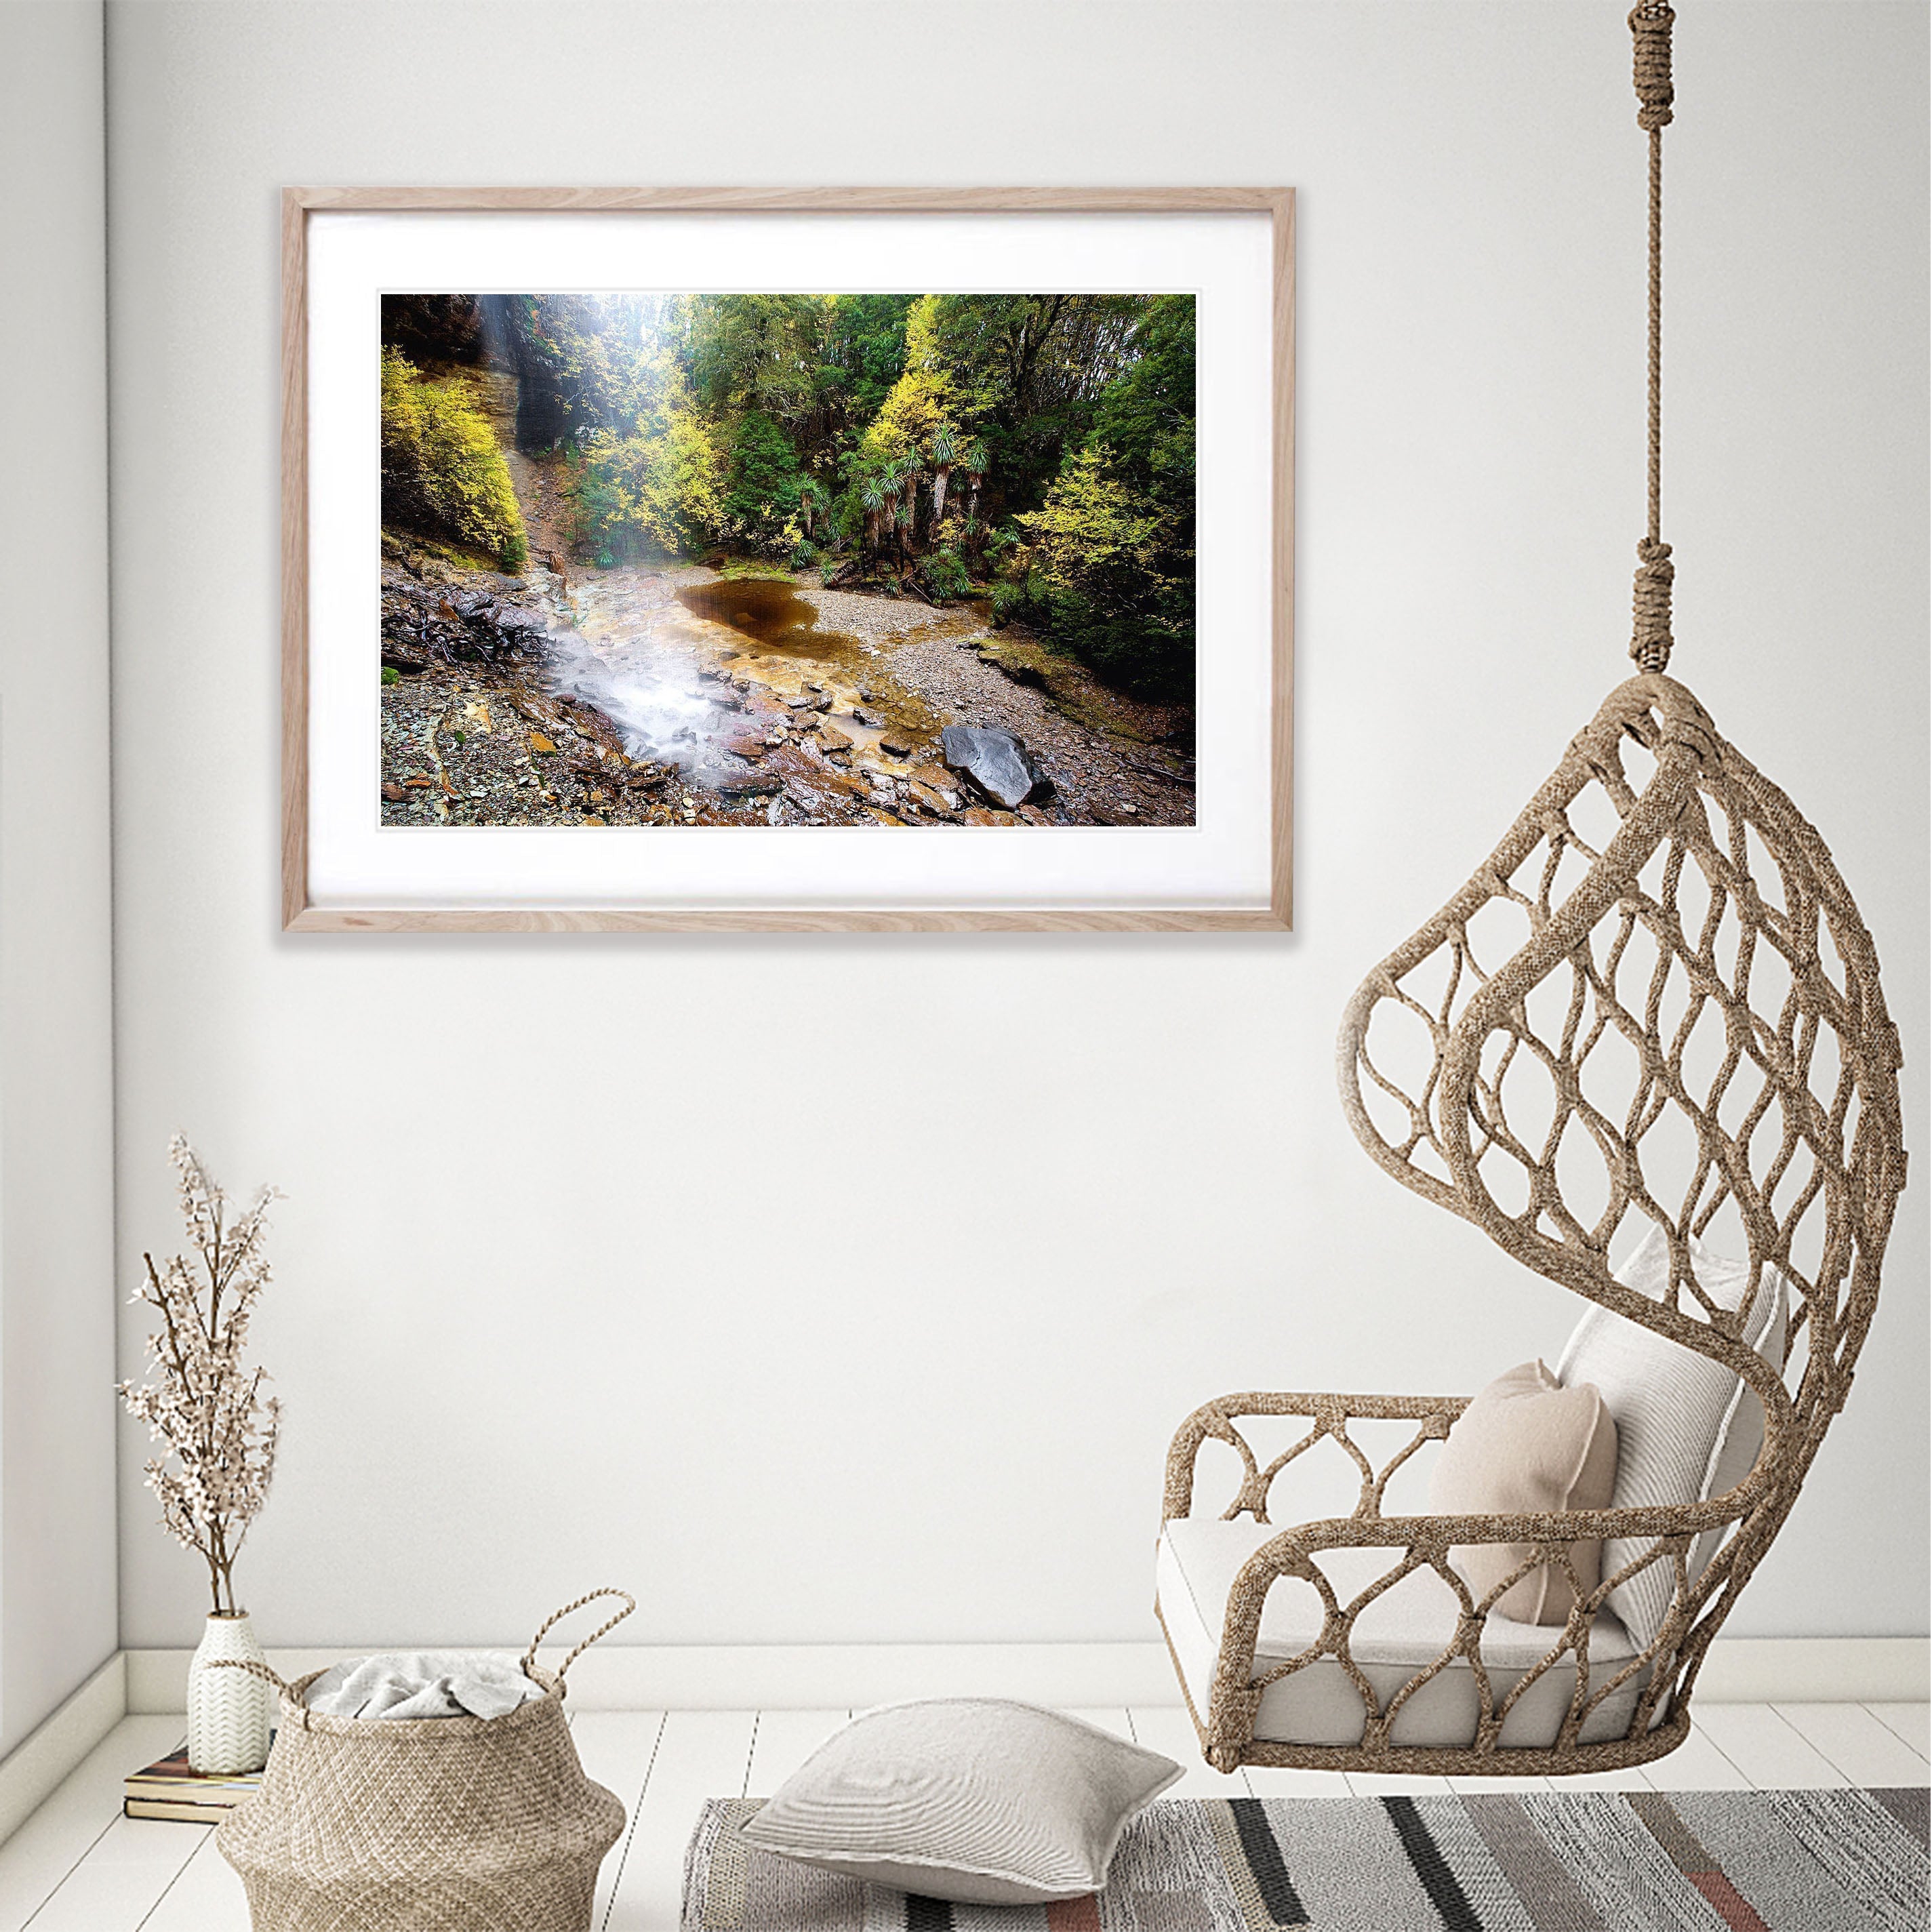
(129, 1866)
(1912, 1722)
(1635, 1778)
(1766, 1749)
(1167, 1728)
(60, 1834)
(77, 1866)
(1696, 1764)
(1397, 1784)
(205, 1896)
(1274, 1781)
(617, 1748)
(702, 1754)
(1854, 1742)
(783, 1742)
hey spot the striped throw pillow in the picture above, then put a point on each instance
(1688, 1429)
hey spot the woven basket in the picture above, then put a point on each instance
(438, 1825)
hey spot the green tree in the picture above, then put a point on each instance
(1116, 586)
(660, 492)
(682, 506)
(761, 502)
(866, 343)
(757, 354)
(861, 354)
(1146, 416)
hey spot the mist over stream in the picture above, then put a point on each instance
(659, 711)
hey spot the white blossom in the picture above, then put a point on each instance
(219, 1430)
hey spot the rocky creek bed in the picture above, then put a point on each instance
(632, 696)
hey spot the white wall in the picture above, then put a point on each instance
(57, 1504)
(848, 1288)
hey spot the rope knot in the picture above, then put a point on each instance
(1650, 640)
(1650, 24)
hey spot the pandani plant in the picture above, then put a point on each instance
(218, 1429)
(907, 515)
(908, 472)
(975, 460)
(945, 454)
(872, 498)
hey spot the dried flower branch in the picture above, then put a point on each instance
(220, 1430)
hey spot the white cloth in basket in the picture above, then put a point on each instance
(422, 1684)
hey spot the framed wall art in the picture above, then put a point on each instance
(787, 558)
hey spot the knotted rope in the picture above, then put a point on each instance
(1650, 26)
(1650, 22)
(1650, 605)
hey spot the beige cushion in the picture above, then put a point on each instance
(1527, 1445)
(969, 1799)
(1408, 1626)
(1688, 1429)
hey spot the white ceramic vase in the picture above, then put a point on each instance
(230, 1713)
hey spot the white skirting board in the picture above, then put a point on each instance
(771, 1677)
(32, 1772)
(1740, 1670)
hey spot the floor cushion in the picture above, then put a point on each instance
(976, 1800)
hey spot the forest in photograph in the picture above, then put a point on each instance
(865, 559)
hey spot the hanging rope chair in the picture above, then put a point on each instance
(1654, 1009)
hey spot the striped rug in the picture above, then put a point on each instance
(1565, 1861)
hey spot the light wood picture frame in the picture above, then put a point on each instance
(1229, 868)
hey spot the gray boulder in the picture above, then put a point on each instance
(996, 763)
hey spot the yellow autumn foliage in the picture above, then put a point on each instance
(443, 473)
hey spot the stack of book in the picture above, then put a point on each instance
(171, 1789)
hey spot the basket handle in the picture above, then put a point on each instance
(630, 1604)
(253, 1669)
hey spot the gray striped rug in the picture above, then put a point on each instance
(1566, 1861)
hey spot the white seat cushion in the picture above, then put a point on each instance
(1403, 1630)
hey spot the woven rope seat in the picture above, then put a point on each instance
(1654, 1006)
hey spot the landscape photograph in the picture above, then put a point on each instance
(666, 559)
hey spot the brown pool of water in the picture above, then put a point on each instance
(772, 612)
(784, 651)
